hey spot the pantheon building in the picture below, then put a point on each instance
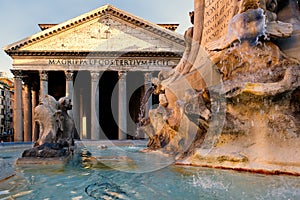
(103, 60)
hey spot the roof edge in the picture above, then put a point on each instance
(101, 11)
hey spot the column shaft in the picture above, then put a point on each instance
(27, 114)
(95, 125)
(18, 117)
(69, 88)
(34, 104)
(69, 84)
(122, 115)
(43, 83)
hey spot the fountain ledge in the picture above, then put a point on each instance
(269, 168)
(242, 169)
(43, 161)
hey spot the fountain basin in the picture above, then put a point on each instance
(170, 182)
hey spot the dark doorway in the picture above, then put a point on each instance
(108, 104)
(57, 84)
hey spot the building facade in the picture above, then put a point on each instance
(103, 60)
(6, 108)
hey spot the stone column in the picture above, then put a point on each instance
(18, 117)
(147, 86)
(122, 114)
(95, 125)
(69, 88)
(43, 83)
(34, 104)
(69, 84)
(27, 114)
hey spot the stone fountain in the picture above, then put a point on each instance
(55, 132)
(233, 101)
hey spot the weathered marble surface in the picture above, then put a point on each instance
(234, 103)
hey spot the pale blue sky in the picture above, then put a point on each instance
(20, 18)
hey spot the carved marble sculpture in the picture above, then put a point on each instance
(56, 128)
(233, 99)
(55, 124)
(49, 120)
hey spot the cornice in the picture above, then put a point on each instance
(104, 11)
(168, 26)
(171, 27)
(46, 26)
(96, 53)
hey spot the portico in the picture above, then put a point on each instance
(103, 60)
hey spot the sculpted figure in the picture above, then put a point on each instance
(188, 37)
(69, 131)
(251, 74)
(55, 129)
(49, 119)
(55, 124)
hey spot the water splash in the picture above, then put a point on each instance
(142, 114)
(208, 183)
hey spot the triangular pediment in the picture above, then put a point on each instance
(106, 29)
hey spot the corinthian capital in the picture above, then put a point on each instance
(69, 75)
(17, 74)
(44, 75)
(122, 74)
(95, 75)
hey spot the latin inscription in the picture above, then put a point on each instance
(217, 14)
(108, 62)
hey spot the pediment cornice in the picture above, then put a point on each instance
(96, 54)
(106, 11)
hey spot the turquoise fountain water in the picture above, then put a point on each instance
(75, 181)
